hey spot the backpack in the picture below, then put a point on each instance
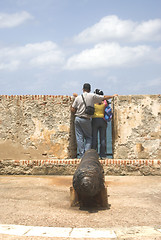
(108, 114)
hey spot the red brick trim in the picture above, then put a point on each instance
(34, 97)
(106, 162)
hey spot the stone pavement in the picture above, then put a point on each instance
(38, 208)
(7, 231)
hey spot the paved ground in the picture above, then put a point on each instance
(134, 213)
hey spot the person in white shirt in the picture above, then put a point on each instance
(83, 126)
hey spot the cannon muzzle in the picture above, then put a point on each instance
(88, 181)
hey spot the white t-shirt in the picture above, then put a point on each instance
(90, 99)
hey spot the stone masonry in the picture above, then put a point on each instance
(37, 135)
(36, 127)
(137, 127)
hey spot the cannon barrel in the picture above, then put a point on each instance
(88, 179)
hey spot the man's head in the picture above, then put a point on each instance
(87, 87)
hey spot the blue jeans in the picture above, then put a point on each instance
(99, 125)
(83, 131)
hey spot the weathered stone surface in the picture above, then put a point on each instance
(137, 127)
(68, 167)
(36, 127)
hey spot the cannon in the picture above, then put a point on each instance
(88, 183)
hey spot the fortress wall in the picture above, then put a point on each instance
(137, 127)
(36, 127)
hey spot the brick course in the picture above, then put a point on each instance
(68, 166)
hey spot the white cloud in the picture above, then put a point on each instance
(113, 28)
(13, 20)
(12, 65)
(108, 55)
(147, 31)
(49, 54)
(31, 56)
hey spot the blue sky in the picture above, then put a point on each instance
(53, 47)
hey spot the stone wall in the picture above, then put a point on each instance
(36, 127)
(137, 127)
(119, 167)
(42, 127)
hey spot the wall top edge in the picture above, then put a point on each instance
(128, 97)
(34, 97)
(139, 95)
(49, 95)
(30, 95)
(69, 98)
(78, 159)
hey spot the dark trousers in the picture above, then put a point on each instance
(99, 125)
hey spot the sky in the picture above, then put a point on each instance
(53, 47)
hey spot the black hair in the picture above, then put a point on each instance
(99, 92)
(87, 87)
